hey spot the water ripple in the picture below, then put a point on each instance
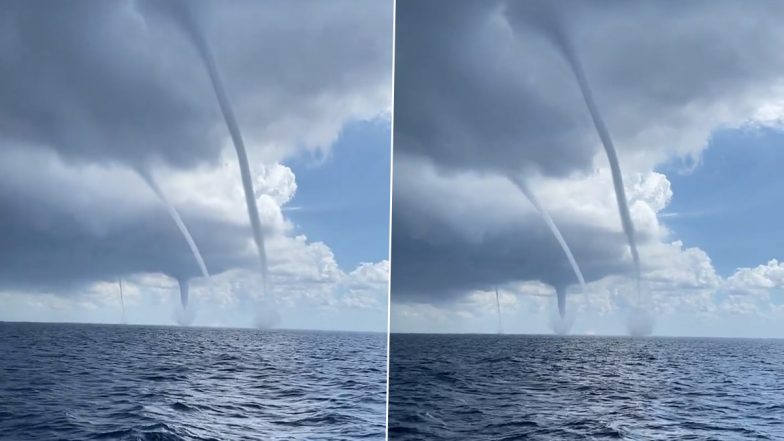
(489, 387)
(162, 383)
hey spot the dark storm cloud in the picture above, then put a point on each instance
(87, 79)
(480, 85)
(57, 253)
(464, 98)
(481, 88)
(115, 81)
(78, 226)
(447, 266)
(93, 90)
(436, 256)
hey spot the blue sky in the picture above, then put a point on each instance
(344, 200)
(731, 204)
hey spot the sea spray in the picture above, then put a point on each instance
(522, 185)
(639, 317)
(639, 322)
(266, 315)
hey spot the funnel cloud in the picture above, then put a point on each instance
(558, 237)
(543, 17)
(566, 47)
(181, 14)
(133, 85)
(183, 284)
(122, 300)
(175, 215)
(498, 310)
(492, 95)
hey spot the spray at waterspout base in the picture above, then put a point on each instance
(561, 325)
(639, 322)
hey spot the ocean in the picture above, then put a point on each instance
(510, 387)
(80, 382)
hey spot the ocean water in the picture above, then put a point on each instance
(76, 382)
(506, 387)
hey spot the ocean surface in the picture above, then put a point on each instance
(510, 387)
(78, 382)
